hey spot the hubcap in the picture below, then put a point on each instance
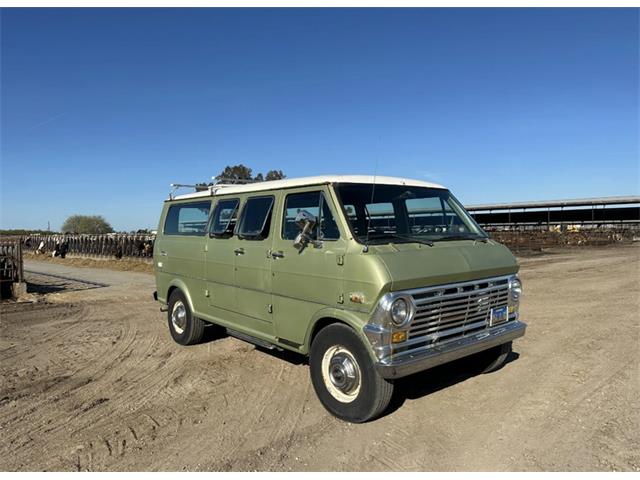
(341, 374)
(179, 317)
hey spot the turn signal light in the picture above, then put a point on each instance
(397, 337)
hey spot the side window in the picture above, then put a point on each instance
(328, 226)
(316, 205)
(255, 218)
(425, 214)
(381, 217)
(187, 219)
(352, 216)
(224, 217)
(454, 222)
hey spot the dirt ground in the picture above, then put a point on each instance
(91, 380)
(123, 264)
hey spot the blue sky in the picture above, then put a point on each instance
(102, 109)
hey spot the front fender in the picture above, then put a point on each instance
(356, 320)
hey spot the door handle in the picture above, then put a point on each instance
(239, 251)
(163, 253)
(277, 254)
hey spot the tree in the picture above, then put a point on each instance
(235, 173)
(275, 175)
(86, 224)
(240, 173)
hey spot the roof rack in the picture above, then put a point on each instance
(231, 181)
(176, 186)
(218, 182)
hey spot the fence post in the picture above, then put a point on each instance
(20, 263)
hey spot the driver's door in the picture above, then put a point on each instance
(304, 281)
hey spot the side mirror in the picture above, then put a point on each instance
(305, 222)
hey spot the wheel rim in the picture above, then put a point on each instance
(341, 374)
(179, 317)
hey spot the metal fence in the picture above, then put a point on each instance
(537, 239)
(137, 246)
(107, 245)
(11, 268)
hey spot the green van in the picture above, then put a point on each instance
(372, 278)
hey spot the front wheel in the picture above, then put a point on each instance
(494, 358)
(344, 376)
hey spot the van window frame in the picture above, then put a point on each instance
(456, 206)
(227, 233)
(259, 237)
(182, 205)
(321, 197)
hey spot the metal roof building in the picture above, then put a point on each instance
(600, 211)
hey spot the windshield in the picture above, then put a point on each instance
(400, 213)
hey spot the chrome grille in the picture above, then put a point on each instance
(449, 311)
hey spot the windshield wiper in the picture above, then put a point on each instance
(462, 237)
(408, 238)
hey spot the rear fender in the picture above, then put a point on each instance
(179, 284)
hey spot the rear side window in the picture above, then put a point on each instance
(187, 219)
(314, 203)
(255, 218)
(224, 216)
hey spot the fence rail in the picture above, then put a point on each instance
(107, 245)
(136, 246)
(530, 239)
(11, 267)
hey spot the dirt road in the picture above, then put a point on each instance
(92, 381)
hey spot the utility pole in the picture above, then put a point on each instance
(48, 226)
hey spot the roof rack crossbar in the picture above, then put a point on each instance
(232, 181)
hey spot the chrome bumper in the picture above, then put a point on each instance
(401, 365)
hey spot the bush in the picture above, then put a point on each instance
(86, 224)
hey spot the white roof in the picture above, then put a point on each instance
(304, 181)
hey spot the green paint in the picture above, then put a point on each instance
(282, 297)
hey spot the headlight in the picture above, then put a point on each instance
(400, 312)
(515, 289)
(393, 311)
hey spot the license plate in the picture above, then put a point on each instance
(498, 315)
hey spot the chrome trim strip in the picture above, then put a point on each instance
(427, 357)
(433, 337)
(418, 291)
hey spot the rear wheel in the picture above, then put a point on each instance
(184, 327)
(494, 358)
(344, 376)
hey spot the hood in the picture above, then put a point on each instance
(413, 265)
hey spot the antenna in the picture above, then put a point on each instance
(365, 249)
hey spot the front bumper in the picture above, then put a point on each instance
(434, 355)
